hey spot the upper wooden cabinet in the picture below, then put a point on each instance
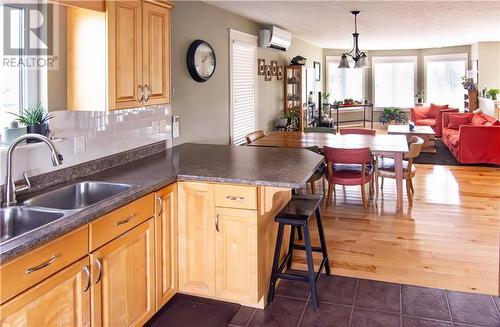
(167, 277)
(138, 53)
(61, 300)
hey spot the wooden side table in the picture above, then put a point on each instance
(425, 132)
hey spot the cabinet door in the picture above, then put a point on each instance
(167, 278)
(61, 300)
(156, 53)
(124, 54)
(123, 279)
(236, 255)
(196, 238)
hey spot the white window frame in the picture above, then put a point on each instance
(251, 40)
(336, 60)
(444, 57)
(394, 59)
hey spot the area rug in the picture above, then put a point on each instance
(443, 156)
(190, 311)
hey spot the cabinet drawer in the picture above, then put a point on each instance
(119, 221)
(30, 268)
(236, 196)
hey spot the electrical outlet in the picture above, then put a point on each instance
(163, 126)
(79, 144)
(175, 126)
(154, 127)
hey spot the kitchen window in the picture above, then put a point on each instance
(243, 85)
(443, 79)
(343, 83)
(394, 80)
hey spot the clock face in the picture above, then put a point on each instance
(201, 61)
(204, 60)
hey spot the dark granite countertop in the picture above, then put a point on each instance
(279, 167)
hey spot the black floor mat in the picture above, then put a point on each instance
(190, 311)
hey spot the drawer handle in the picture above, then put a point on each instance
(234, 198)
(217, 222)
(42, 265)
(87, 272)
(126, 220)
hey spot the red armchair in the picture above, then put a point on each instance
(430, 116)
(477, 139)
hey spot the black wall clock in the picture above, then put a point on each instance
(201, 60)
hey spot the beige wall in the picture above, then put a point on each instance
(488, 56)
(204, 107)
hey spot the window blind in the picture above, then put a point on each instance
(243, 91)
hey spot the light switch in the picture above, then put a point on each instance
(79, 144)
(175, 126)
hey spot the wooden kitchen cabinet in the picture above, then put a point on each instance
(138, 53)
(167, 277)
(156, 52)
(124, 54)
(196, 238)
(236, 255)
(60, 300)
(123, 281)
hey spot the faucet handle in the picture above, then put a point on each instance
(26, 187)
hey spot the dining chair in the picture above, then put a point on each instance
(319, 173)
(348, 167)
(254, 136)
(362, 131)
(386, 167)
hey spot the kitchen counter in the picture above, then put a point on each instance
(261, 166)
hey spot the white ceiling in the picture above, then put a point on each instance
(381, 24)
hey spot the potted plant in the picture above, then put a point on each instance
(492, 93)
(326, 104)
(36, 120)
(393, 116)
(420, 97)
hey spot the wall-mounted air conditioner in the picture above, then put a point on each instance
(275, 38)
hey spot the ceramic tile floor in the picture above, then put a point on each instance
(346, 301)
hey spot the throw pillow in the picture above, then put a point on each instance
(478, 120)
(434, 109)
(455, 121)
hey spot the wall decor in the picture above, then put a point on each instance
(279, 74)
(317, 70)
(261, 66)
(201, 60)
(268, 76)
(274, 67)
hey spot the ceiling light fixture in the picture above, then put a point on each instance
(359, 57)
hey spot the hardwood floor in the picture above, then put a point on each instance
(449, 239)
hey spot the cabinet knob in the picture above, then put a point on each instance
(140, 93)
(146, 93)
(217, 222)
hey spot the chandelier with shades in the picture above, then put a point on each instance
(359, 57)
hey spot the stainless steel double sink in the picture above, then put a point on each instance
(45, 208)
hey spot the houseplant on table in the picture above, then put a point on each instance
(393, 116)
(35, 119)
(326, 105)
(492, 93)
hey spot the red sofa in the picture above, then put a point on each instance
(430, 116)
(472, 138)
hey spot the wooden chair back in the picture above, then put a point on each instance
(362, 131)
(254, 136)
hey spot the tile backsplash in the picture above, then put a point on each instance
(104, 134)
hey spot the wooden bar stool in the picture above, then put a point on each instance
(297, 214)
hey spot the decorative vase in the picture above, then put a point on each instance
(42, 129)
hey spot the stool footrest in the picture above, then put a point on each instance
(303, 247)
(296, 277)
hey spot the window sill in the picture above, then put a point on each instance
(28, 146)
